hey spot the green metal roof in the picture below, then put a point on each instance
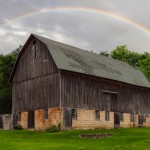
(77, 60)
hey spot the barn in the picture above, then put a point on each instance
(54, 83)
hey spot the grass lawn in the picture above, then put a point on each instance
(122, 139)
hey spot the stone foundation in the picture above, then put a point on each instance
(126, 121)
(147, 123)
(24, 120)
(54, 118)
(6, 119)
(86, 119)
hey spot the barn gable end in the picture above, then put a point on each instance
(34, 75)
(27, 66)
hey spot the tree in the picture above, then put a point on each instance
(122, 53)
(144, 65)
(6, 65)
(104, 53)
(140, 61)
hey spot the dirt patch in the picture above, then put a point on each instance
(95, 136)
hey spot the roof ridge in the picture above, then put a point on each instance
(87, 51)
(67, 57)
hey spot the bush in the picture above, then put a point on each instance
(54, 128)
(18, 127)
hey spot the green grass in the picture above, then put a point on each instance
(122, 139)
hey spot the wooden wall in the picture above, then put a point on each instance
(29, 68)
(36, 85)
(36, 81)
(83, 91)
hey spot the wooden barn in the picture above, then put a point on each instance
(56, 83)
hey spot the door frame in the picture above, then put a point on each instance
(67, 118)
(116, 120)
(140, 120)
(31, 119)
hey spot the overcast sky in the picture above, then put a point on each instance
(67, 22)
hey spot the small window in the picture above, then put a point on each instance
(19, 116)
(35, 50)
(132, 118)
(107, 115)
(74, 113)
(121, 117)
(35, 54)
(97, 114)
(34, 42)
(46, 113)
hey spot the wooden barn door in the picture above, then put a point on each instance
(67, 119)
(15, 119)
(110, 101)
(116, 119)
(1, 122)
(140, 120)
(30, 119)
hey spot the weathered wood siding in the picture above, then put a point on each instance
(83, 91)
(36, 85)
(35, 82)
(29, 68)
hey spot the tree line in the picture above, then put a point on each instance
(140, 61)
(7, 61)
(6, 65)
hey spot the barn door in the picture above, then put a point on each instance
(1, 122)
(15, 119)
(67, 118)
(114, 102)
(30, 119)
(110, 101)
(116, 119)
(140, 120)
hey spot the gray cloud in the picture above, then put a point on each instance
(85, 30)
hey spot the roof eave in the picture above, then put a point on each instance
(17, 60)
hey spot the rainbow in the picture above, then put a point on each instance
(81, 9)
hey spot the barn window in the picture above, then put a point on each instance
(107, 115)
(97, 114)
(74, 113)
(35, 49)
(46, 113)
(131, 117)
(121, 117)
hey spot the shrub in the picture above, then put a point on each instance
(59, 126)
(18, 127)
(54, 128)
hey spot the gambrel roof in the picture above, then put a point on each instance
(74, 59)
